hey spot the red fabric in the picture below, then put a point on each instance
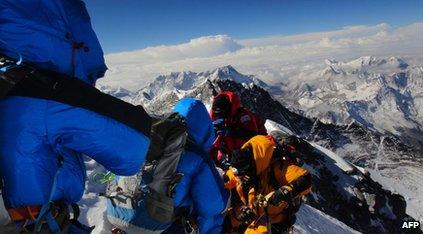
(233, 99)
(241, 118)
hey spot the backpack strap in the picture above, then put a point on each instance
(45, 212)
(50, 85)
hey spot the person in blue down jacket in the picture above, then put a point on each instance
(202, 185)
(200, 190)
(42, 141)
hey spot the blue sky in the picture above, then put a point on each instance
(125, 25)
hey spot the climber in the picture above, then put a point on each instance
(234, 125)
(197, 193)
(269, 188)
(53, 115)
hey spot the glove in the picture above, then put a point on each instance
(283, 194)
(220, 127)
(224, 164)
(248, 182)
(219, 123)
(247, 215)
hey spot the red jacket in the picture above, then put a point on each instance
(243, 125)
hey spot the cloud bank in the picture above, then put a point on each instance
(272, 59)
(208, 46)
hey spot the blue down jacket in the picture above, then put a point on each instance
(37, 136)
(53, 35)
(200, 189)
(201, 185)
(42, 139)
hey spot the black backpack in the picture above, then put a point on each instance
(168, 142)
(155, 183)
(283, 140)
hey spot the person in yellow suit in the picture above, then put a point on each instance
(268, 186)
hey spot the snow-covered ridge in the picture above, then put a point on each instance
(381, 93)
(176, 85)
(180, 82)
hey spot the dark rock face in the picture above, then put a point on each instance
(350, 196)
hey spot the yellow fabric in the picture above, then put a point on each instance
(233, 179)
(285, 173)
(289, 173)
(262, 147)
(261, 229)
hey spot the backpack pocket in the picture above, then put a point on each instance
(160, 207)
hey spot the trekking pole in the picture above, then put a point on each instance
(268, 223)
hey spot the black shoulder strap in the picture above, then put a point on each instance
(272, 179)
(57, 87)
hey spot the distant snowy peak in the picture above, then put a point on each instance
(363, 65)
(379, 93)
(229, 73)
(181, 82)
(369, 62)
(118, 92)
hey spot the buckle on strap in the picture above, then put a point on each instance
(190, 227)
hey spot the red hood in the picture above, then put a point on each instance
(233, 99)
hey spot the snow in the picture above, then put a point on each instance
(311, 220)
(339, 161)
(272, 126)
(383, 93)
(406, 181)
(93, 206)
(4, 216)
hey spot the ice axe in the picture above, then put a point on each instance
(263, 202)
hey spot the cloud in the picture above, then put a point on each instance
(273, 59)
(197, 48)
(349, 31)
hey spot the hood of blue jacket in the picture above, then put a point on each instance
(52, 35)
(200, 128)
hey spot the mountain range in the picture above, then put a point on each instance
(375, 170)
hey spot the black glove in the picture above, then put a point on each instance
(283, 194)
(247, 215)
(248, 182)
(220, 127)
(224, 164)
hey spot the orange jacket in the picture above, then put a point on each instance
(285, 173)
